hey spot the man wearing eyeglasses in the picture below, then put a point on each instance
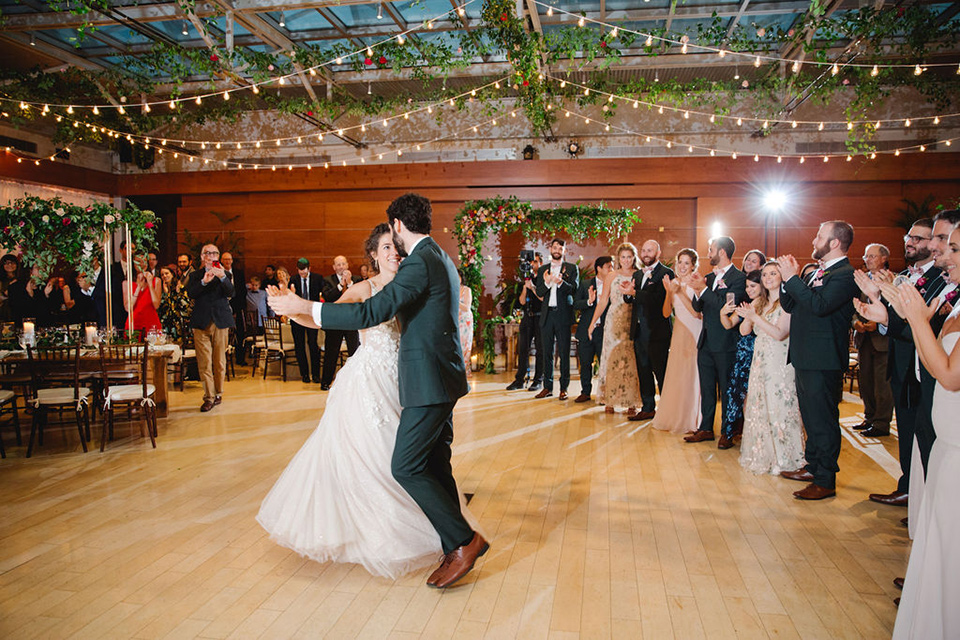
(212, 318)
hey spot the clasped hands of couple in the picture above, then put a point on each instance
(906, 301)
(285, 302)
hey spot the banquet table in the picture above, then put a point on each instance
(157, 359)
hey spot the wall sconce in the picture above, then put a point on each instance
(529, 152)
(574, 148)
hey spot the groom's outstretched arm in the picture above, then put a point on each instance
(409, 284)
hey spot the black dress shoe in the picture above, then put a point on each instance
(873, 432)
(535, 386)
(515, 385)
(862, 426)
(305, 379)
(324, 387)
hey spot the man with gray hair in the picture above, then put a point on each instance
(211, 322)
(872, 349)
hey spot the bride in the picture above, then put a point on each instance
(337, 499)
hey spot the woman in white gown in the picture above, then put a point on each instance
(772, 431)
(679, 408)
(930, 605)
(337, 499)
(618, 384)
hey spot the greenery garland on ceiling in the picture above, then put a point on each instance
(479, 220)
(907, 34)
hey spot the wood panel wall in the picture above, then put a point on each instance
(283, 214)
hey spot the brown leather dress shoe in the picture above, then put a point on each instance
(643, 415)
(562, 396)
(546, 393)
(460, 561)
(724, 442)
(698, 436)
(896, 601)
(801, 475)
(895, 499)
(814, 492)
(582, 398)
(898, 583)
(438, 572)
(207, 405)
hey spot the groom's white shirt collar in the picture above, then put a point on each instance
(414, 246)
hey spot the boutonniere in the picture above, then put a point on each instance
(721, 284)
(817, 282)
(952, 296)
(922, 281)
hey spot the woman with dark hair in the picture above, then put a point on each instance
(28, 300)
(175, 304)
(679, 405)
(337, 500)
(9, 274)
(740, 372)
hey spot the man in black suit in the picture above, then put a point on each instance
(926, 254)
(333, 288)
(556, 283)
(821, 311)
(211, 320)
(650, 331)
(589, 346)
(717, 346)
(185, 267)
(529, 331)
(238, 303)
(872, 354)
(308, 286)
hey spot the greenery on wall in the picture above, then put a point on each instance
(906, 34)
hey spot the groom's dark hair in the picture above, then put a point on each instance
(413, 210)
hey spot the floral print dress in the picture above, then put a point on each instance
(618, 384)
(772, 430)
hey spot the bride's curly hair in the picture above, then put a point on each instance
(372, 242)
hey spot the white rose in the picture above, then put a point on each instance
(45, 218)
(108, 218)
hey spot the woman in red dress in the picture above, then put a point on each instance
(146, 298)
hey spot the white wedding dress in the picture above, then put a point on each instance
(930, 604)
(337, 499)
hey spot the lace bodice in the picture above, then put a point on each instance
(384, 338)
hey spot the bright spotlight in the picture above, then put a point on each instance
(716, 230)
(775, 200)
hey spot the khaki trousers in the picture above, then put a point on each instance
(211, 347)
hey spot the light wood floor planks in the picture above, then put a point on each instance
(600, 528)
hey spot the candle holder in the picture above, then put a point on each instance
(90, 334)
(29, 335)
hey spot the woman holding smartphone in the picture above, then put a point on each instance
(740, 373)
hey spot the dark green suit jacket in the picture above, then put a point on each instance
(820, 318)
(425, 298)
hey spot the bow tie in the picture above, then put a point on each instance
(717, 271)
(915, 271)
(647, 270)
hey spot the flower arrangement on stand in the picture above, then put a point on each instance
(49, 231)
(480, 220)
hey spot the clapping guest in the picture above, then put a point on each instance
(679, 405)
(152, 264)
(333, 287)
(931, 589)
(59, 301)
(872, 354)
(282, 277)
(308, 286)
(772, 432)
(184, 268)
(175, 305)
(27, 299)
(821, 310)
(9, 274)
(736, 391)
(211, 320)
(364, 272)
(649, 330)
(618, 383)
(146, 294)
(82, 308)
(717, 346)
(556, 283)
(590, 337)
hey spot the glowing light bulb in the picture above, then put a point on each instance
(922, 148)
(875, 71)
(313, 71)
(936, 120)
(580, 22)
(649, 43)
(794, 124)
(756, 61)
(739, 122)
(779, 159)
(256, 89)
(802, 159)
(820, 127)
(198, 100)
(226, 95)
(733, 156)
(550, 11)
(683, 49)
(796, 66)
(756, 158)
(339, 60)
(563, 83)
(897, 152)
(614, 33)
(917, 70)
(146, 108)
(835, 69)
(96, 111)
(907, 122)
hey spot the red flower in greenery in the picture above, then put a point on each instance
(367, 61)
(900, 12)
(214, 57)
(66, 221)
(382, 60)
(309, 113)
(148, 225)
(603, 44)
(504, 17)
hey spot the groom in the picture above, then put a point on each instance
(424, 296)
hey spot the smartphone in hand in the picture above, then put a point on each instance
(217, 265)
(731, 297)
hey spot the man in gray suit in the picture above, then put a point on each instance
(424, 296)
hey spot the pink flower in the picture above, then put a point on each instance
(148, 225)
(21, 223)
(66, 221)
(90, 208)
(269, 67)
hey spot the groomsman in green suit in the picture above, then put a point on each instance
(821, 308)
(424, 296)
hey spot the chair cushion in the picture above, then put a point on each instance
(62, 395)
(6, 396)
(128, 392)
(190, 353)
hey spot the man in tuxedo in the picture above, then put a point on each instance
(872, 356)
(424, 296)
(589, 346)
(529, 331)
(717, 346)
(556, 283)
(238, 303)
(821, 311)
(211, 320)
(921, 252)
(333, 288)
(308, 286)
(650, 331)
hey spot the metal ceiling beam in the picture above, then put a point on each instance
(736, 19)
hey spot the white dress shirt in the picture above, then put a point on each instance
(723, 272)
(555, 269)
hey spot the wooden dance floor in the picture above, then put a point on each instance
(600, 528)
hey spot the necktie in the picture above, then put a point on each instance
(306, 289)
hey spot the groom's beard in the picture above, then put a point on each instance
(398, 243)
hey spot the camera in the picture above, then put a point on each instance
(526, 264)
